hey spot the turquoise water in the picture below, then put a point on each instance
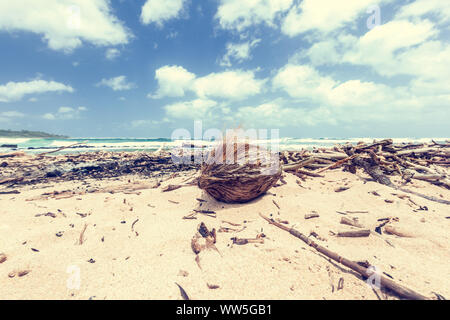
(152, 144)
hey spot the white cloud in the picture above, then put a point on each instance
(49, 116)
(14, 91)
(112, 53)
(391, 49)
(303, 82)
(324, 15)
(65, 110)
(65, 113)
(195, 109)
(65, 24)
(238, 14)
(117, 83)
(236, 84)
(11, 114)
(175, 81)
(419, 8)
(238, 52)
(307, 84)
(160, 11)
(277, 114)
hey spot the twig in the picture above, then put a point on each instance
(132, 227)
(60, 149)
(384, 281)
(81, 239)
(276, 204)
(337, 164)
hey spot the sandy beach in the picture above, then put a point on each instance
(89, 243)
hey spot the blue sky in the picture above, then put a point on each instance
(142, 68)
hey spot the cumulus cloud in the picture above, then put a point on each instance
(324, 15)
(238, 15)
(65, 113)
(307, 84)
(175, 81)
(195, 109)
(390, 49)
(302, 81)
(160, 11)
(238, 52)
(14, 91)
(119, 83)
(65, 24)
(236, 84)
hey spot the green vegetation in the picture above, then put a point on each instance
(28, 134)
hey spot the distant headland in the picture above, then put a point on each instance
(29, 134)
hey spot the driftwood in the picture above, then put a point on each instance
(301, 164)
(311, 215)
(12, 154)
(60, 149)
(390, 229)
(381, 160)
(337, 164)
(351, 222)
(21, 170)
(385, 282)
(354, 233)
(243, 241)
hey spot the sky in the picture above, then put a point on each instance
(143, 68)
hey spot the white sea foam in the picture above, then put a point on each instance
(13, 140)
(113, 144)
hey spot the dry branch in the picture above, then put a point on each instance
(385, 282)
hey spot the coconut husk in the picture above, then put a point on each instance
(239, 172)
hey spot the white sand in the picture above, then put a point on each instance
(147, 265)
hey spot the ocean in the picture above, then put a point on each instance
(38, 145)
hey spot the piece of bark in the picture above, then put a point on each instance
(354, 233)
(309, 173)
(170, 187)
(351, 222)
(294, 167)
(12, 154)
(390, 229)
(10, 192)
(337, 164)
(243, 241)
(311, 215)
